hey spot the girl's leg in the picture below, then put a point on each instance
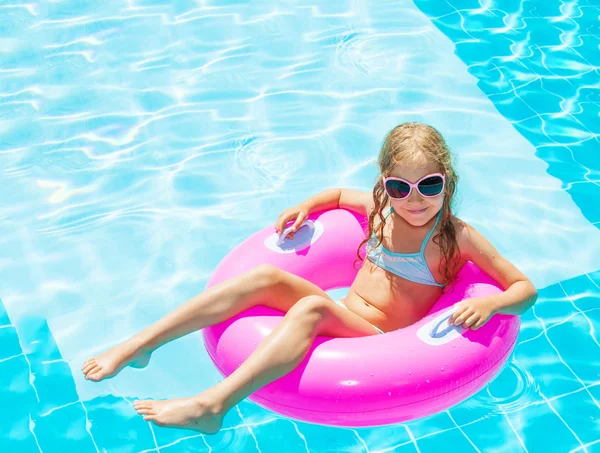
(277, 355)
(265, 285)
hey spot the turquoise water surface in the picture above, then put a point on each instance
(141, 140)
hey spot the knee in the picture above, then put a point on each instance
(311, 306)
(266, 275)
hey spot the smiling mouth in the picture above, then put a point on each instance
(417, 211)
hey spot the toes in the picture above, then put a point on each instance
(145, 411)
(142, 404)
(93, 370)
(88, 365)
(95, 376)
(153, 419)
(88, 361)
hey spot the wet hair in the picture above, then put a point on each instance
(419, 144)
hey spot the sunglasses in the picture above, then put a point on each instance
(428, 186)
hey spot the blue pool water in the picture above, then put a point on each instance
(141, 140)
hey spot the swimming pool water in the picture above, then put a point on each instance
(141, 140)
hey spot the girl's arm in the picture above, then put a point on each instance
(519, 293)
(353, 200)
(357, 201)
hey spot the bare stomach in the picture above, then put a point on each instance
(388, 301)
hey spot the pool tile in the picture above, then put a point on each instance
(234, 435)
(550, 374)
(63, 430)
(328, 438)
(394, 437)
(430, 425)
(117, 427)
(233, 438)
(280, 432)
(582, 291)
(585, 420)
(37, 339)
(541, 430)
(493, 434)
(441, 441)
(48, 378)
(578, 349)
(552, 306)
(4, 319)
(9, 342)
(15, 386)
(191, 444)
(475, 408)
(531, 327)
(595, 278)
(15, 435)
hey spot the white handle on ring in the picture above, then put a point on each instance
(437, 331)
(287, 231)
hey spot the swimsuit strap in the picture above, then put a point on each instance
(431, 232)
(439, 215)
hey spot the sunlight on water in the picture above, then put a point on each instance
(143, 140)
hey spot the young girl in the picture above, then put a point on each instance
(410, 204)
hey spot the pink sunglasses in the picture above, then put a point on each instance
(428, 186)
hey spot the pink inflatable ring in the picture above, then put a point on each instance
(365, 381)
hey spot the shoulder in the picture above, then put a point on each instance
(460, 227)
(476, 248)
(467, 237)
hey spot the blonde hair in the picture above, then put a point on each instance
(418, 144)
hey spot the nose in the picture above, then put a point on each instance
(415, 196)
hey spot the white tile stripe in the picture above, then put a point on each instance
(572, 315)
(583, 447)
(6, 359)
(31, 426)
(588, 275)
(88, 427)
(301, 436)
(362, 441)
(114, 392)
(237, 408)
(515, 431)
(463, 433)
(412, 438)
(561, 359)
(592, 331)
(564, 421)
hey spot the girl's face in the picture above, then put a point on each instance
(416, 209)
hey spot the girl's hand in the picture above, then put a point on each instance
(297, 213)
(471, 313)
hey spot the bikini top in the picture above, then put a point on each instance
(411, 266)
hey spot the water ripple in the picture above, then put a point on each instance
(514, 389)
(141, 141)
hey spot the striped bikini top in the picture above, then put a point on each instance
(411, 266)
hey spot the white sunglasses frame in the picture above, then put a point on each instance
(414, 185)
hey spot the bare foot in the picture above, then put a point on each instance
(109, 363)
(194, 413)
